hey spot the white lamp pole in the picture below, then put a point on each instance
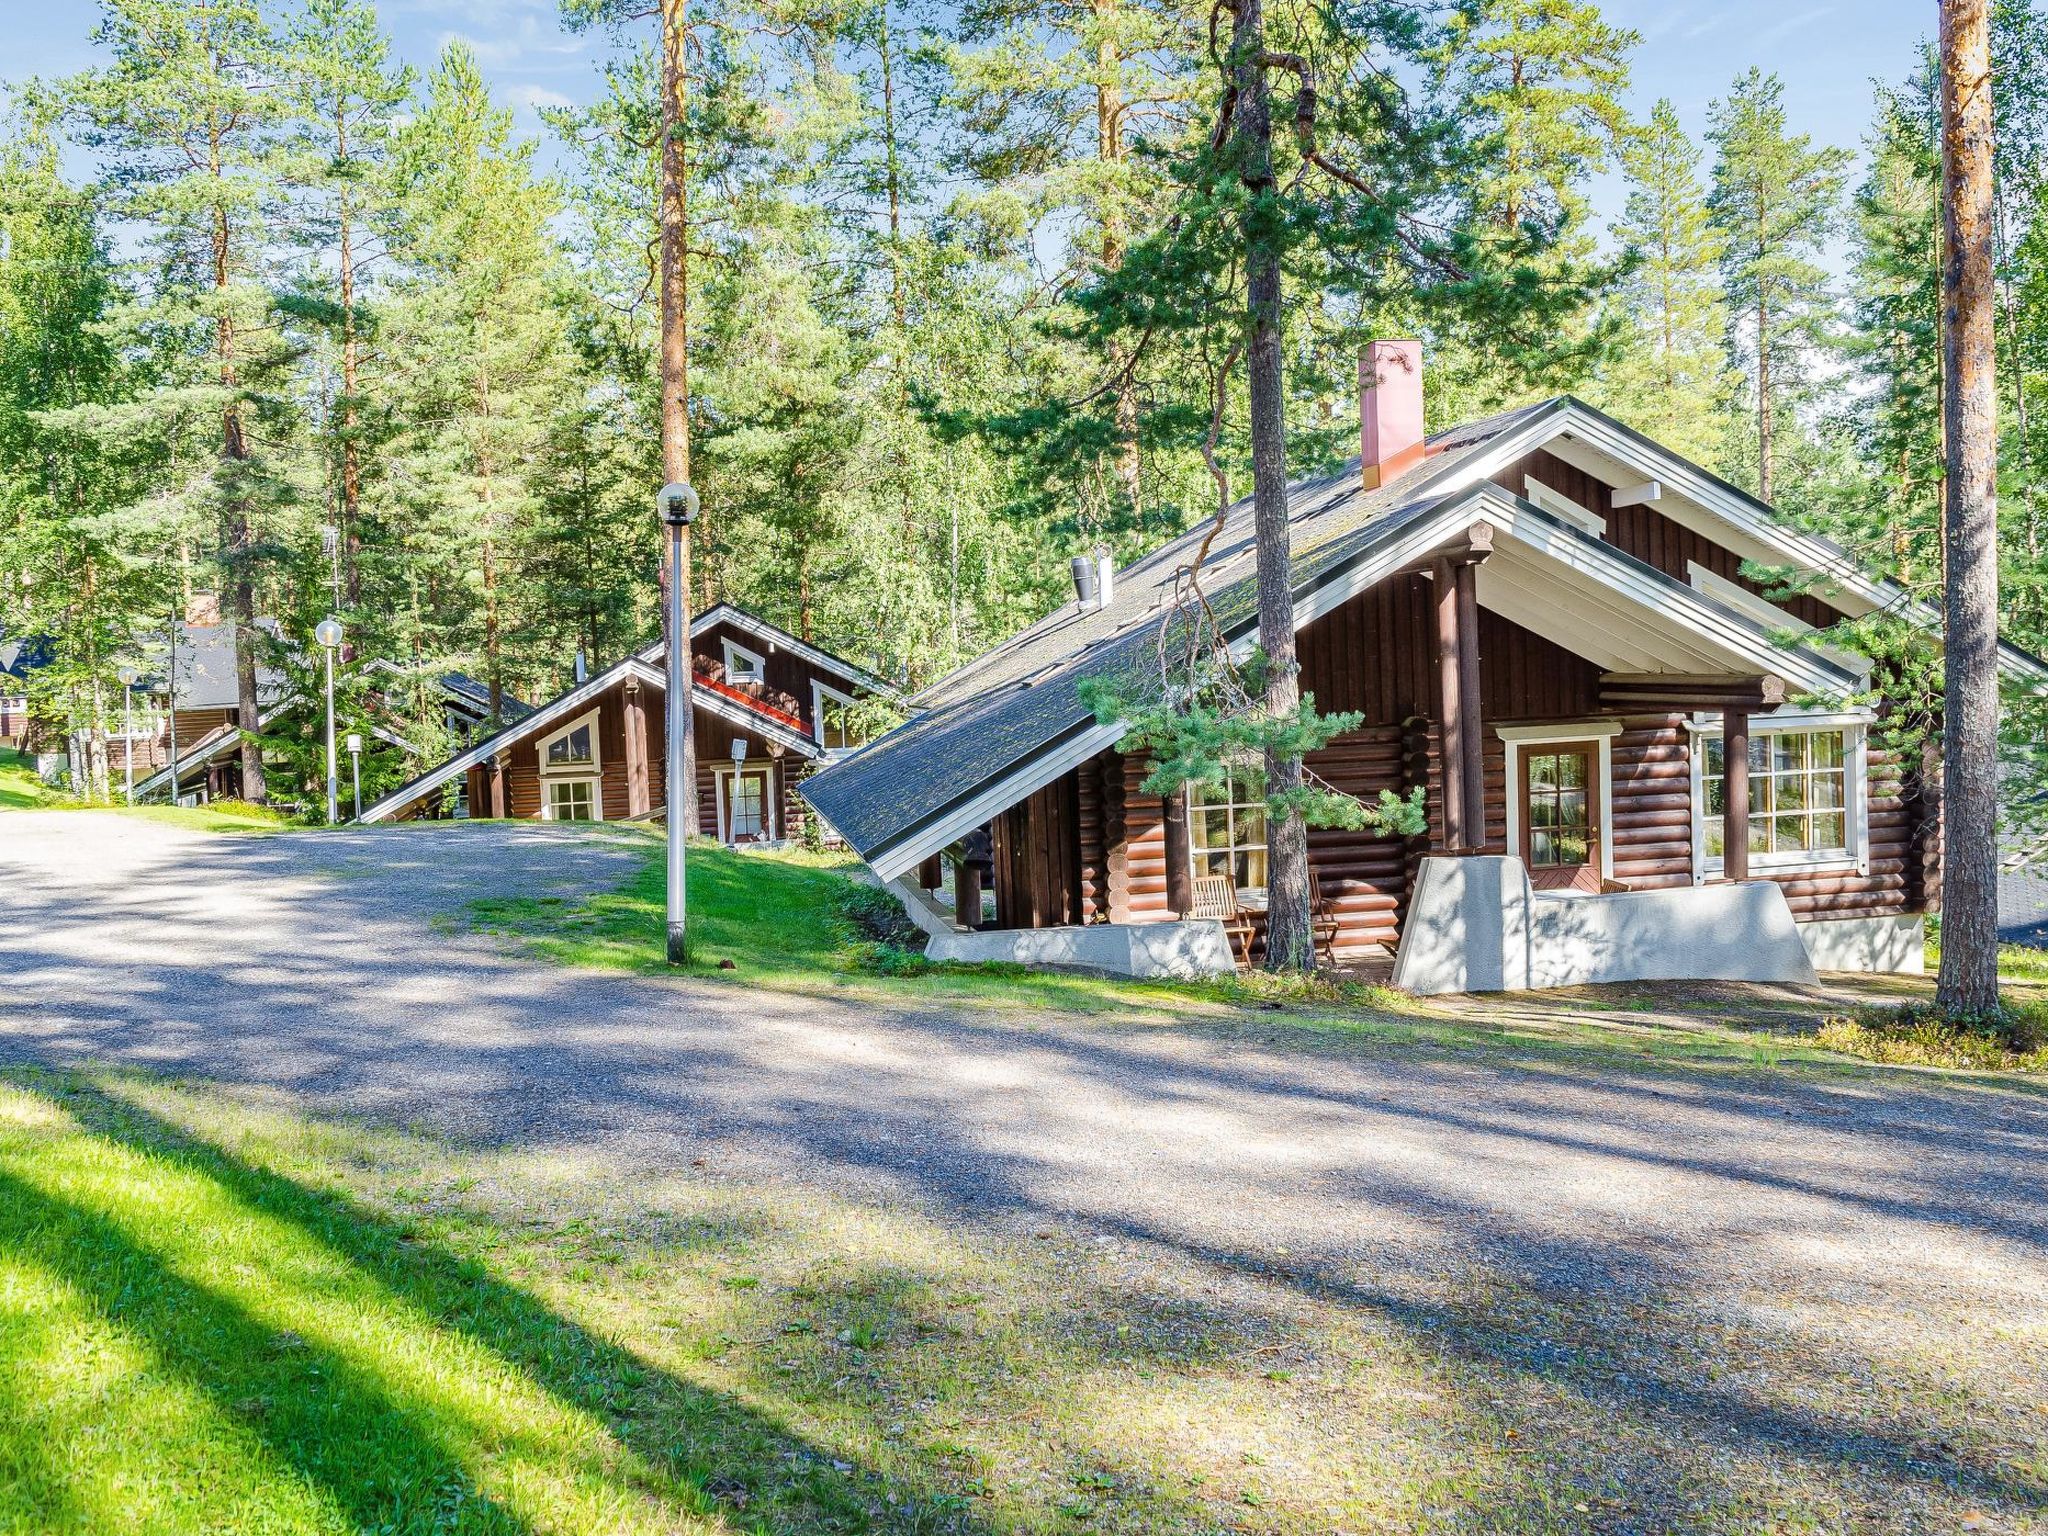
(677, 504)
(328, 633)
(128, 676)
(355, 765)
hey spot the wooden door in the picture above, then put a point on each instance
(747, 808)
(1561, 806)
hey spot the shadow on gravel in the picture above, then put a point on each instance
(980, 1120)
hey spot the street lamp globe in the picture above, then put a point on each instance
(328, 632)
(128, 675)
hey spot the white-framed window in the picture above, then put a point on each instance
(1809, 800)
(1227, 830)
(571, 783)
(572, 800)
(832, 718)
(571, 748)
(743, 665)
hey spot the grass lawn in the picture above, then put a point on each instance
(217, 1315)
(779, 919)
(21, 790)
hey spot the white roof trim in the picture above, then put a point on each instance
(1033, 774)
(727, 709)
(406, 794)
(232, 737)
(1762, 524)
(761, 629)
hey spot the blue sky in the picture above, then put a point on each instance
(1827, 53)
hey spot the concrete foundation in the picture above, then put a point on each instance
(1887, 946)
(1142, 950)
(1154, 950)
(1475, 925)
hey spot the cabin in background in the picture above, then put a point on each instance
(769, 708)
(1634, 763)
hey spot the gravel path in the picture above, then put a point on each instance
(1864, 1218)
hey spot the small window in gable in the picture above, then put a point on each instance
(572, 748)
(743, 665)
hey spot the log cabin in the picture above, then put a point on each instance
(767, 706)
(1637, 760)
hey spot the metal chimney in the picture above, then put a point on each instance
(582, 666)
(1105, 578)
(1086, 590)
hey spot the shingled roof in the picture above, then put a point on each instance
(1023, 698)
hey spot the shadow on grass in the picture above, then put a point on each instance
(394, 1455)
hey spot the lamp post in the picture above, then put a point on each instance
(328, 633)
(171, 701)
(677, 504)
(128, 676)
(355, 768)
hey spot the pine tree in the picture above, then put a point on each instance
(1539, 83)
(1672, 378)
(185, 120)
(1775, 202)
(1054, 96)
(62, 565)
(484, 347)
(344, 96)
(1897, 337)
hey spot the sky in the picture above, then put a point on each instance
(1826, 51)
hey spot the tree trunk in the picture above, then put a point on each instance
(1763, 403)
(1289, 943)
(675, 358)
(1969, 932)
(234, 515)
(1109, 151)
(349, 535)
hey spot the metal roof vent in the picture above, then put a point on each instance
(1087, 592)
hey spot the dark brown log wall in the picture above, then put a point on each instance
(1650, 803)
(1037, 851)
(1376, 655)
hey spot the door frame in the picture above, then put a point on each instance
(1601, 734)
(722, 777)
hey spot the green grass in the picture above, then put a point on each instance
(785, 922)
(777, 919)
(220, 1314)
(20, 789)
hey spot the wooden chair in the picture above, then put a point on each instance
(1322, 920)
(1216, 899)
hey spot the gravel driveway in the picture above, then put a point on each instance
(1884, 1234)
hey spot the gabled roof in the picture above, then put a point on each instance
(648, 665)
(223, 738)
(782, 639)
(1013, 720)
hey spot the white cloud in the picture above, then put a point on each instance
(534, 97)
(520, 45)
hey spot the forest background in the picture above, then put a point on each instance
(288, 320)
